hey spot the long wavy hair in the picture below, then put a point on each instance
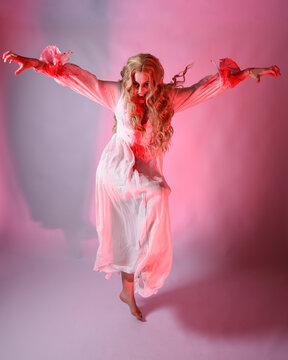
(158, 104)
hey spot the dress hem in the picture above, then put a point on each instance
(112, 269)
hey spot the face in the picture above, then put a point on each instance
(141, 86)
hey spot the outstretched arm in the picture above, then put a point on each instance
(229, 76)
(54, 64)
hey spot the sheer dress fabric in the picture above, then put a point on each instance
(132, 213)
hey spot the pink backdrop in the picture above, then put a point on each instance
(227, 166)
(227, 169)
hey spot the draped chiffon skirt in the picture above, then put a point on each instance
(132, 217)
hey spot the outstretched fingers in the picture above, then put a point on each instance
(273, 71)
(6, 56)
(11, 57)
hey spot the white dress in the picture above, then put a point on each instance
(132, 213)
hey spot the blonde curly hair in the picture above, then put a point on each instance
(157, 101)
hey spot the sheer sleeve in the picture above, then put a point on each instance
(208, 87)
(106, 93)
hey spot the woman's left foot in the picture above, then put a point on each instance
(130, 301)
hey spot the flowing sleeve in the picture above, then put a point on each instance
(106, 93)
(208, 87)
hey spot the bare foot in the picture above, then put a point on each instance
(130, 301)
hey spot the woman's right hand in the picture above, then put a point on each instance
(23, 62)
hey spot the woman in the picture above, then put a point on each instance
(132, 215)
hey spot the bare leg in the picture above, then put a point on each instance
(127, 294)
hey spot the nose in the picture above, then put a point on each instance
(141, 91)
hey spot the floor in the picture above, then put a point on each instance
(56, 307)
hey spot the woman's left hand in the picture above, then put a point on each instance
(256, 73)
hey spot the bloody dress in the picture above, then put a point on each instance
(132, 212)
